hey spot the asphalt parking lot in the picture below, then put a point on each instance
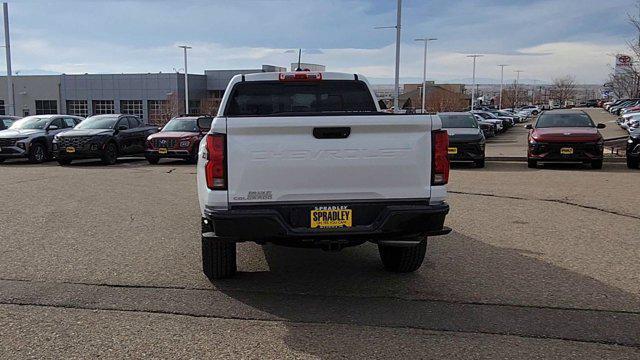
(105, 261)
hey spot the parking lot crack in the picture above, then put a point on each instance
(557, 201)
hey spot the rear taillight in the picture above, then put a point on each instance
(440, 163)
(216, 166)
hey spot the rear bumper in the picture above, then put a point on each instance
(393, 220)
(171, 154)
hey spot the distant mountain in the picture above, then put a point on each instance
(30, 72)
(467, 81)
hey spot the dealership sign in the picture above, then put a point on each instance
(623, 60)
(623, 63)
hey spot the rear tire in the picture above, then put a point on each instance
(403, 259)
(218, 257)
(532, 164)
(153, 160)
(193, 157)
(631, 163)
(37, 154)
(110, 155)
(63, 162)
(479, 163)
(596, 164)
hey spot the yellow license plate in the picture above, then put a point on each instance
(452, 150)
(566, 151)
(71, 150)
(334, 218)
(162, 151)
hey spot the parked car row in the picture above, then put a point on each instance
(468, 132)
(629, 119)
(67, 138)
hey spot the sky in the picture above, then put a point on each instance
(546, 39)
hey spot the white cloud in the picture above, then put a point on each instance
(588, 62)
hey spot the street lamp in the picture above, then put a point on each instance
(473, 89)
(424, 70)
(501, 83)
(397, 74)
(517, 82)
(186, 78)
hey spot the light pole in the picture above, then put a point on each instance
(473, 88)
(10, 100)
(186, 78)
(397, 74)
(501, 83)
(517, 82)
(424, 70)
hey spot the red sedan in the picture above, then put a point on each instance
(565, 136)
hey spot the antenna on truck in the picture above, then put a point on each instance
(299, 56)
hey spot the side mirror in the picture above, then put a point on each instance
(528, 126)
(52, 127)
(205, 124)
(601, 126)
(122, 127)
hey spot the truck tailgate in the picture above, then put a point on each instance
(280, 159)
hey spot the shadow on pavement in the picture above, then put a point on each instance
(458, 269)
(515, 166)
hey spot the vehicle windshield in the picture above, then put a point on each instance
(268, 98)
(458, 121)
(98, 122)
(487, 115)
(31, 122)
(564, 120)
(186, 125)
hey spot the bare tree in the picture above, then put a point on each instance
(210, 105)
(564, 89)
(626, 82)
(171, 107)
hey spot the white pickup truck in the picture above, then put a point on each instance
(307, 159)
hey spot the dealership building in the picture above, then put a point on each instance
(144, 95)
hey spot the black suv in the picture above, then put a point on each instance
(31, 137)
(466, 139)
(104, 137)
(633, 149)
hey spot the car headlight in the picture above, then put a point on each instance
(184, 143)
(630, 141)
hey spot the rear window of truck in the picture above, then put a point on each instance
(277, 98)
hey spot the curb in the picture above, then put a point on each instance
(524, 159)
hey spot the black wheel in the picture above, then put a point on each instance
(479, 163)
(64, 161)
(532, 164)
(153, 160)
(403, 259)
(218, 257)
(596, 164)
(631, 163)
(37, 154)
(534, 112)
(193, 157)
(110, 155)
